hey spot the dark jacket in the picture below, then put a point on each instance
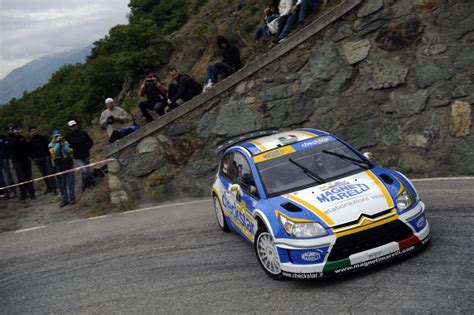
(230, 54)
(3, 149)
(187, 88)
(81, 143)
(18, 147)
(39, 147)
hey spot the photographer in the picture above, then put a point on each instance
(113, 118)
(63, 161)
(155, 92)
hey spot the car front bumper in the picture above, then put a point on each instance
(358, 260)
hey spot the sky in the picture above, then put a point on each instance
(30, 29)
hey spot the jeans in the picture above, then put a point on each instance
(216, 68)
(66, 182)
(173, 90)
(262, 32)
(6, 178)
(312, 5)
(87, 176)
(286, 24)
(46, 168)
(23, 173)
(157, 105)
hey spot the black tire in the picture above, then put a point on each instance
(266, 255)
(220, 217)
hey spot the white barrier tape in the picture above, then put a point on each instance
(59, 173)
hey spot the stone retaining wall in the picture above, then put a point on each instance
(392, 77)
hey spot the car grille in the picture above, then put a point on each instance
(347, 245)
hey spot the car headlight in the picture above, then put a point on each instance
(302, 229)
(405, 200)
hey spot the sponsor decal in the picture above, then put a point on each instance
(315, 142)
(273, 154)
(312, 275)
(374, 261)
(239, 216)
(311, 256)
(421, 222)
(341, 190)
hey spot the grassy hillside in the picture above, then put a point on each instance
(160, 32)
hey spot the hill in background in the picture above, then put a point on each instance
(37, 73)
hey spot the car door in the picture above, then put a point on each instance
(242, 195)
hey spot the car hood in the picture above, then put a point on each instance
(345, 200)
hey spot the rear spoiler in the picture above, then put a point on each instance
(223, 145)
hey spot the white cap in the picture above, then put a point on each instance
(109, 100)
(72, 123)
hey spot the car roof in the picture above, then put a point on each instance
(268, 143)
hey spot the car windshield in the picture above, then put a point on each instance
(318, 162)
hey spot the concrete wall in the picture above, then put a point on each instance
(392, 77)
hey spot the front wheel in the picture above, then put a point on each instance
(220, 215)
(267, 253)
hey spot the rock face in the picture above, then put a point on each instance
(393, 76)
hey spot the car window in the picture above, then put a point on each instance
(227, 167)
(244, 175)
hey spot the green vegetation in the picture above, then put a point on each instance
(128, 51)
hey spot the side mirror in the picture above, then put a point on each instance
(234, 188)
(369, 155)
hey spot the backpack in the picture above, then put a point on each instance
(273, 26)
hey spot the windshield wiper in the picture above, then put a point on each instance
(361, 163)
(308, 172)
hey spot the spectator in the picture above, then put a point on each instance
(20, 151)
(270, 21)
(230, 62)
(288, 17)
(62, 156)
(80, 142)
(305, 5)
(6, 178)
(113, 118)
(185, 88)
(155, 92)
(40, 154)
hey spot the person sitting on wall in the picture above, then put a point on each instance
(270, 22)
(115, 119)
(155, 92)
(230, 62)
(184, 89)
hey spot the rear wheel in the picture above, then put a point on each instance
(267, 253)
(220, 215)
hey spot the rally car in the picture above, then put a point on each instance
(312, 205)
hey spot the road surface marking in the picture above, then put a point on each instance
(88, 219)
(31, 229)
(441, 179)
(168, 205)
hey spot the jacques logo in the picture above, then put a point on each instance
(311, 256)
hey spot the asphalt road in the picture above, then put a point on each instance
(174, 259)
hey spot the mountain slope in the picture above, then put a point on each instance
(37, 73)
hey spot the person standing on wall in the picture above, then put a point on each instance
(81, 143)
(20, 152)
(62, 156)
(40, 154)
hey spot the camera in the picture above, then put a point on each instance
(110, 119)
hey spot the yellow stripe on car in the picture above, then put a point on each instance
(259, 145)
(273, 154)
(382, 188)
(312, 208)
